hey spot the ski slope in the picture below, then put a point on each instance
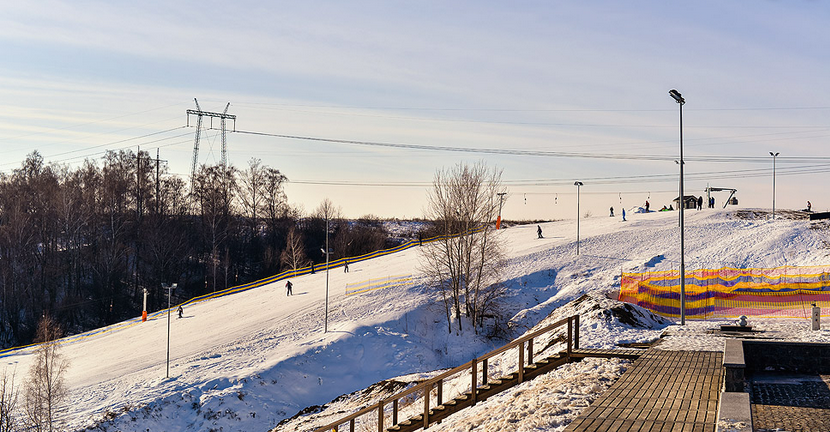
(247, 361)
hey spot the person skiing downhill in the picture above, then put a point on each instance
(539, 230)
(288, 286)
(181, 311)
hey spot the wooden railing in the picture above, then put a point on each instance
(523, 345)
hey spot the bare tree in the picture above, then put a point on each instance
(45, 390)
(464, 263)
(293, 256)
(8, 403)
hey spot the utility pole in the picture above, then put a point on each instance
(158, 195)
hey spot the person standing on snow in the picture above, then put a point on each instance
(809, 206)
(539, 230)
(647, 205)
(699, 202)
(612, 211)
(623, 214)
(346, 266)
(288, 286)
(181, 311)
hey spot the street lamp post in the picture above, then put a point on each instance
(327, 252)
(679, 99)
(578, 184)
(170, 288)
(774, 155)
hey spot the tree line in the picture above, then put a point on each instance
(83, 244)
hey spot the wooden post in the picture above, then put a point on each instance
(570, 330)
(521, 362)
(380, 416)
(475, 375)
(351, 426)
(530, 351)
(576, 333)
(394, 412)
(484, 372)
(427, 388)
(440, 391)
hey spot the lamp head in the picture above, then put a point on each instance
(676, 96)
(773, 154)
(578, 183)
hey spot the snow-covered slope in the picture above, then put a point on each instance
(249, 361)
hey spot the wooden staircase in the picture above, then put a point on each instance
(528, 368)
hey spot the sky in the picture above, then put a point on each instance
(378, 96)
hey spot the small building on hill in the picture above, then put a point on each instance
(689, 200)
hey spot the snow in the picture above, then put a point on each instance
(252, 360)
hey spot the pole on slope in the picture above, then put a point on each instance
(679, 99)
(144, 311)
(170, 288)
(578, 184)
(501, 200)
(774, 156)
(326, 322)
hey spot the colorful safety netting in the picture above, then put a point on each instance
(782, 292)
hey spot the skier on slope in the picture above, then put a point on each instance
(539, 230)
(288, 286)
(180, 311)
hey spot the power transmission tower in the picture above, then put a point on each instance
(199, 115)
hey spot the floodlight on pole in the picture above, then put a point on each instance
(680, 101)
(578, 184)
(170, 288)
(774, 156)
(327, 252)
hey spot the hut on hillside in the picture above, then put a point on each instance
(689, 200)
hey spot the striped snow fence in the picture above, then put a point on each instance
(241, 288)
(380, 283)
(783, 292)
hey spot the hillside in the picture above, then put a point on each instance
(251, 360)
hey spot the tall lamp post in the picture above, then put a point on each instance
(327, 252)
(170, 288)
(679, 99)
(578, 184)
(774, 155)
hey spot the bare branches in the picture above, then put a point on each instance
(46, 391)
(464, 264)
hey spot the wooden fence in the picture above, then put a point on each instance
(525, 350)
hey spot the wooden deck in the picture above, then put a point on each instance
(663, 391)
(494, 386)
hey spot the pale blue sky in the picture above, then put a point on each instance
(583, 77)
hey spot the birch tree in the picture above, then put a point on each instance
(464, 263)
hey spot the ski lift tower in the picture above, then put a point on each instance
(731, 200)
(223, 116)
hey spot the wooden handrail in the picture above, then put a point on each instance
(426, 387)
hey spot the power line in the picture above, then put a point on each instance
(543, 153)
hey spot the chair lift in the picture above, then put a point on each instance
(731, 200)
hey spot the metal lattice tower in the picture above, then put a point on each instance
(199, 115)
